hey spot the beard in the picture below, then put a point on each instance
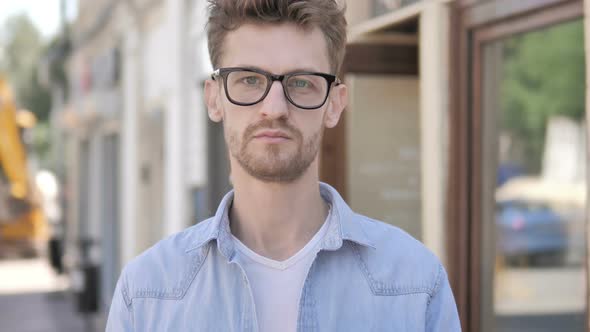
(279, 163)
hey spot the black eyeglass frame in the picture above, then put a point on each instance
(271, 78)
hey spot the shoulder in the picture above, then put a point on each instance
(398, 263)
(166, 269)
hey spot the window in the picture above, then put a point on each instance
(534, 181)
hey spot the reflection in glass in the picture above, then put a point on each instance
(534, 173)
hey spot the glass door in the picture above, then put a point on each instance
(533, 180)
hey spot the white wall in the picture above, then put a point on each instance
(130, 59)
(199, 69)
(163, 60)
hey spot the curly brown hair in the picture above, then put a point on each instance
(327, 15)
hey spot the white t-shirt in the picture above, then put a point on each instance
(277, 285)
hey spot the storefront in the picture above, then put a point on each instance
(517, 177)
(91, 123)
(467, 128)
(388, 155)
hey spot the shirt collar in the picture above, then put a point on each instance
(343, 226)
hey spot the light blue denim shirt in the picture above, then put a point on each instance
(368, 276)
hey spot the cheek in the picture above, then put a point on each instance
(232, 131)
(310, 129)
(234, 126)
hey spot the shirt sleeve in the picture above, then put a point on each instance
(441, 314)
(121, 312)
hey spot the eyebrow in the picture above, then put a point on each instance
(296, 70)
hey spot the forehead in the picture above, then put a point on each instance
(278, 48)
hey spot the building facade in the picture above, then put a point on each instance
(135, 129)
(467, 128)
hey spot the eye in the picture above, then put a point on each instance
(301, 83)
(251, 80)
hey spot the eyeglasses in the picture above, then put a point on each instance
(248, 86)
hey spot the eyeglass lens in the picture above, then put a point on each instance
(304, 90)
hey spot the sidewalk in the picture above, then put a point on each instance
(540, 291)
(34, 299)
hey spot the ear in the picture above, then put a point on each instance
(212, 99)
(338, 101)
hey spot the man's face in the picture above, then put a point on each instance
(274, 141)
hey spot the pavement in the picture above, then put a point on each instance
(33, 298)
(540, 299)
(541, 323)
(540, 291)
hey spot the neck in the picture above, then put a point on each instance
(276, 220)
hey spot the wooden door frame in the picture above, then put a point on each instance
(477, 23)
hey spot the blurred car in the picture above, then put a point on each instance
(541, 220)
(531, 230)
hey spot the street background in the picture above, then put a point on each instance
(466, 127)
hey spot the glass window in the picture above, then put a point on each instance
(534, 181)
(384, 149)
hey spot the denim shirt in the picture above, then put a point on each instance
(368, 276)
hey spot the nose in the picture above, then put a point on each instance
(275, 105)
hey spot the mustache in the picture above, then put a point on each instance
(280, 124)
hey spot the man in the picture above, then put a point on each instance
(283, 252)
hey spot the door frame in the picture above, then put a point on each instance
(476, 23)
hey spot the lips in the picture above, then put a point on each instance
(271, 134)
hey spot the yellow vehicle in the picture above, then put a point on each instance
(23, 226)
